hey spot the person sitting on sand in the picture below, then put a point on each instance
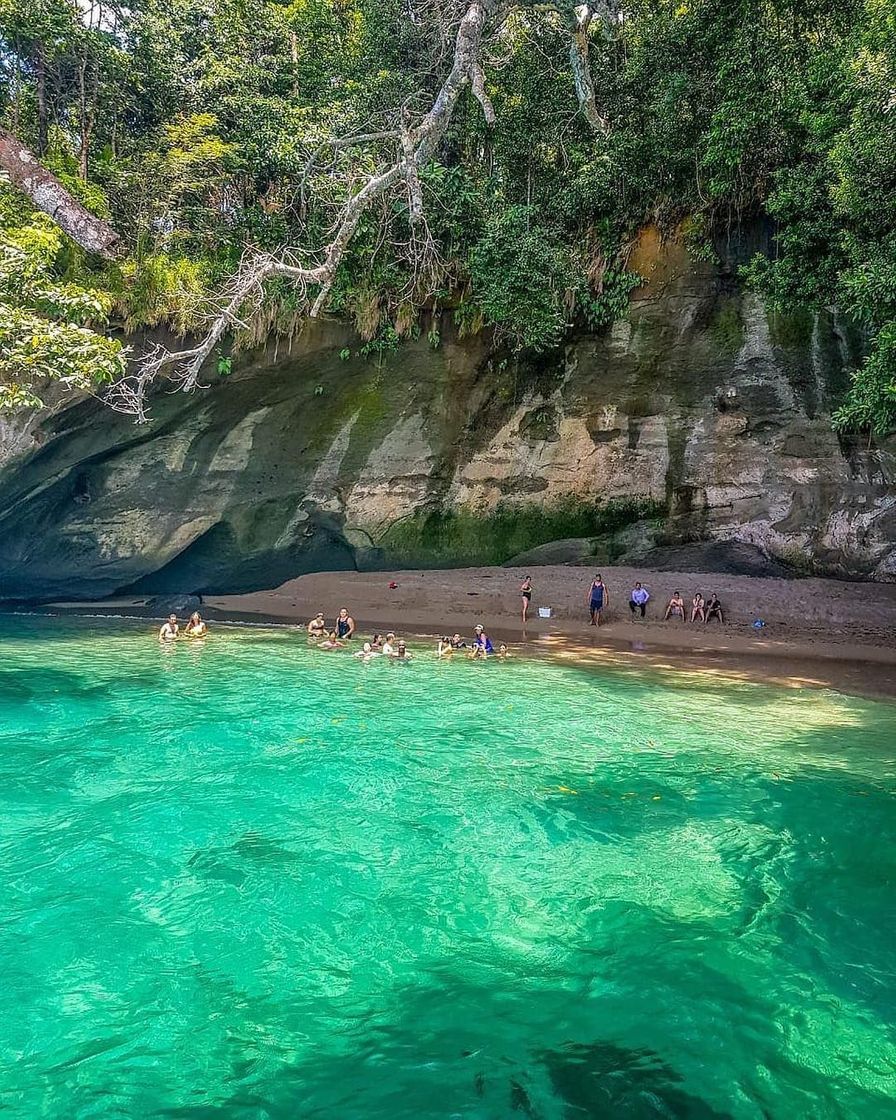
(345, 624)
(676, 606)
(169, 630)
(714, 609)
(367, 651)
(597, 598)
(331, 641)
(638, 600)
(526, 592)
(389, 645)
(698, 608)
(482, 643)
(317, 628)
(457, 642)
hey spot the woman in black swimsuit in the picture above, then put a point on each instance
(526, 592)
(345, 624)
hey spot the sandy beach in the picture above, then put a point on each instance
(816, 630)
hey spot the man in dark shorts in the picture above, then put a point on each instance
(714, 609)
(598, 598)
(638, 600)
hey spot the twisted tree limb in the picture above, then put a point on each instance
(418, 144)
(28, 175)
(579, 18)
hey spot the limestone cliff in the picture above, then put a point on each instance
(698, 417)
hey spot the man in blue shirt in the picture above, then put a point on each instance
(638, 600)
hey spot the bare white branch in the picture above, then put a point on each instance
(418, 144)
(477, 83)
(579, 19)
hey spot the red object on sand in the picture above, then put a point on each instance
(392, 585)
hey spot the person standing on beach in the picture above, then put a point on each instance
(526, 592)
(598, 597)
(638, 600)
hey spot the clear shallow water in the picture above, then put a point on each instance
(248, 880)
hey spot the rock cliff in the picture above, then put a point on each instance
(699, 417)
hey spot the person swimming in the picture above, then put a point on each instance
(367, 651)
(457, 642)
(376, 643)
(482, 643)
(389, 645)
(345, 624)
(169, 630)
(502, 652)
(196, 628)
(331, 642)
(444, 648)
(401, 651)
(317, 627)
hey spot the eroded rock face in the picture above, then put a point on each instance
(699, 417)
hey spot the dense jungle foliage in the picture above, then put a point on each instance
(189, 125)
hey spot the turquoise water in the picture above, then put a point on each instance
(244, 879)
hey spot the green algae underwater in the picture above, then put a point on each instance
(247, 879)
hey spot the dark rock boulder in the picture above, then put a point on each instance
(162, 605)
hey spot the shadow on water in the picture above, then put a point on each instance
(223, 864)
(589, 1081)
(34, 684)
(593, 1080)
(602, 1080)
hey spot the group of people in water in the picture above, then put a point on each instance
(171, 629)
(341, 633)
(343, 630)
(598, 599)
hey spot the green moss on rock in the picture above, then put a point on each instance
(459, 538)
(727, 327)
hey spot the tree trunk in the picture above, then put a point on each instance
(43, 127)
(87, 114)
(48, 194)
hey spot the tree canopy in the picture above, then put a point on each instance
(489, 161)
